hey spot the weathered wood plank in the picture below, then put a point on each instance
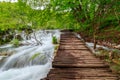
(72, 43)
(64, 65)
(74, 61)
(82, 74)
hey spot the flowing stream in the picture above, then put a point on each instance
(30, 61)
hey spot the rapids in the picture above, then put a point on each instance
(31, 61)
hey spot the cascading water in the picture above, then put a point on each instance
(31, 61)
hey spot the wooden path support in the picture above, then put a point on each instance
(74, 61)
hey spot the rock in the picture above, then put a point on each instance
(2, 58)
(99, 48)
(6, 53)
(18, 36)
(117, 47)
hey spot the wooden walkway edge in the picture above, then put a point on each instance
(74, 61)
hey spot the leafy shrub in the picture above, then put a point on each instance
(54, 40)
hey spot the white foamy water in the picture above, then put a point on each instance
(27, 73)
(32, 61)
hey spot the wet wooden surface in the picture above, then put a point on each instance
(74, 61)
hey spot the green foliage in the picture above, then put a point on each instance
(65, 14)
(8, 18)
(54, 40)
(15, 42)
(79, 15)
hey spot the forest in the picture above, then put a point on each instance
(97, 21)
(94, 17)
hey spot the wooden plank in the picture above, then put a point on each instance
(72, 43)
(64, 65)
(73, 47)
(71, 39)
(82, 74)
(74, 61)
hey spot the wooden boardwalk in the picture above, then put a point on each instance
(74, 61)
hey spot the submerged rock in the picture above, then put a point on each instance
(6, 53)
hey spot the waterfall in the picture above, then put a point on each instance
(32, 61)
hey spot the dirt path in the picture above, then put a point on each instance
(74, 61)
